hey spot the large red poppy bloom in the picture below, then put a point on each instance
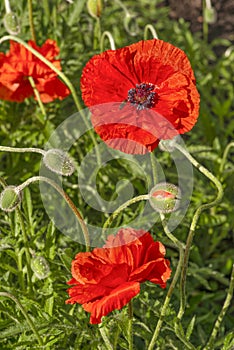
(145, 92)
(108, 278)
(19, 63)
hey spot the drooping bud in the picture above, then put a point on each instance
(10, 198)
(165, 197)
(210, 15)
(59, 162)
(94, 8)
(11, 23)
(40, 267)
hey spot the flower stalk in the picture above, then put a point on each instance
(151, 29)
(227, 302)
(30, 14)
(196, 216)
(130, 320)
(110, 38)
(121, 208)
(38, 97)
(179, 245)
(67, 199)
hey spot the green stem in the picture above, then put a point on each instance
(225, 154)
(28, 319)
(105, 338)
(67, 199)
(26, 246)
(151, 29)
(154, 168)
(38, 97)
(204, 24)
(121, 208)
(227, 302)
(21, 150)
(130, 332)
(97, 34)
(173, 283)
(196, 216)
(109, 36)
(30, 14)
(7, 6)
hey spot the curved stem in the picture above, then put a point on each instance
(196, 216)
(151, 29)
(227, 302)
(121, 208)
(22, 150)
(67, 199)
(109, 36)
(172, 285)
(225, 154)
(130, 332)
(28, 319)
(30, 14)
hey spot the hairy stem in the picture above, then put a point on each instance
(196, 216)
(67, 199)
(173, 283)
(151, 29)
(121, 208)
(227, 302)
(30, 14)
(130, 331)
(38, 97)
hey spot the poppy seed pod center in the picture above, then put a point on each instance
(142, 96)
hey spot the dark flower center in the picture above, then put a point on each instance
(142, 96)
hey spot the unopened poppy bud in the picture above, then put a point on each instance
(11, 23)
(94, 8)
(165, 197)
(210, 15)
(10, 198)
(40, 267)
(59, 162)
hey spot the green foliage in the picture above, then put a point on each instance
(62, 326)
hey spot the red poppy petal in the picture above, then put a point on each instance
(118, 298)
(157, 271)
(52, 89)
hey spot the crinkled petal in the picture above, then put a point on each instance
(118, 298)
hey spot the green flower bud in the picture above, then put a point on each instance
(59, 162)
(11, 23)
(40, 267)
(10, 198)
(210, 15)
(165, 197)
(94, 8)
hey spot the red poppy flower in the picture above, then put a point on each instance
(19, 63)
(108, 278)
(140, 94)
